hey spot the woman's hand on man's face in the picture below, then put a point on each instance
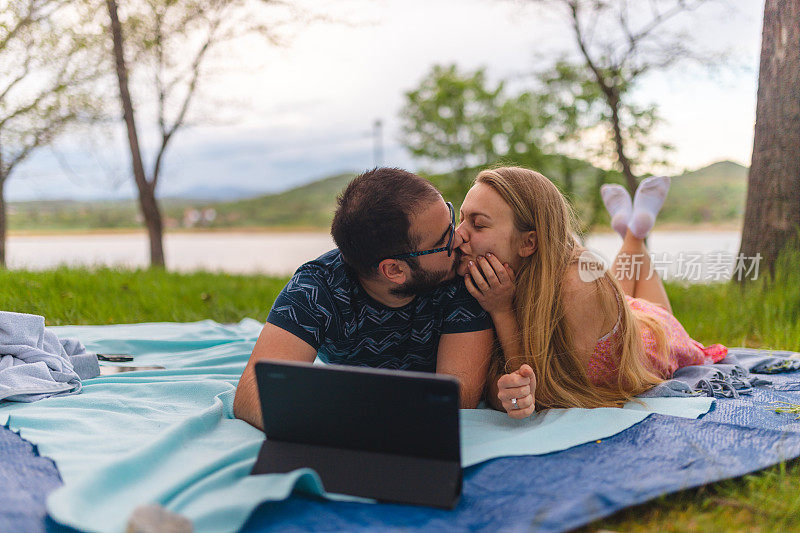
(491, 283)
(516, 392)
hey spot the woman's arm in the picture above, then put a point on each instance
(507, 330)
(492, 284)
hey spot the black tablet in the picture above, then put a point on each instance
(383, 434)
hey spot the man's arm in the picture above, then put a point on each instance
(466, 357)
(276, 344)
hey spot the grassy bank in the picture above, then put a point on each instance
(764, 314)
(105, 296)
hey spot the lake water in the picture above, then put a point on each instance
(282, 253)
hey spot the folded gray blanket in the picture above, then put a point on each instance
(36, 364)
(766, 362)
(730, 377)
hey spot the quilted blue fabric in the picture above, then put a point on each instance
(553, 492)
(25, 480)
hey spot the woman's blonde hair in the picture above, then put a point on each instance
(547, 345)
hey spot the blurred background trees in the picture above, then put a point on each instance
(59, 60)
(166, 46)
(616, 44)
(48, 70)
(454, 118)
(577, 120)
(578, 114)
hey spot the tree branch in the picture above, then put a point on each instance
(660, 17)
(167, 133)
(41, 136)
(575, 13)
(25, 71)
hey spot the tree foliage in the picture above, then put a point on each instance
(47, 75)
(453, 117)
(616, 44)
(547, 127)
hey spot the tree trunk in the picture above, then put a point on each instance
(3, 229)
(147, 197)
(772, 212)
(597, 201)
(568, 178)
(613, 103)
(463, 180)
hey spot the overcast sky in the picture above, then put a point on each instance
(305, 110)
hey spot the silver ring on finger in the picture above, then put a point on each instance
(514, 403)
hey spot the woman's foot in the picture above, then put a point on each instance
(619, 206)
(647, 202)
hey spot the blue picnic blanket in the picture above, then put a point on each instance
(659, 455)
(573, 487)
(168, 436)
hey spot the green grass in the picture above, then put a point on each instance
(763, 314)
(766, 313)
(105, 296)
(763, 501)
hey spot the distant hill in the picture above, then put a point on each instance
(212, 193)
(715, 193)
(310, 205)
(712, 194)
(57, 215)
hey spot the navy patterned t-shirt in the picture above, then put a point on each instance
(325, 305)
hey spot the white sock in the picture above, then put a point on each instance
(619, 206)
(647, 202)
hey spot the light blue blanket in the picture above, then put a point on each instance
(169, 437)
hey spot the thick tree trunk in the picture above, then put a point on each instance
(155, 228)
(772, 212)
(147, 197)
(3, 228)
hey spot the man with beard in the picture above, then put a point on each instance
(387, 297)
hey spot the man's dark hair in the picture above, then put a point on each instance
(373, 217)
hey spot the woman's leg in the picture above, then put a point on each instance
(633, 269)
(621, 267)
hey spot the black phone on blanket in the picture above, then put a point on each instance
(388, 435)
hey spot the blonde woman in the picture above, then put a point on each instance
(565, 338)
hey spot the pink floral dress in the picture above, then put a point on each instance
(684, 351)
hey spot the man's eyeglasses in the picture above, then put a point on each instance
(450, 239)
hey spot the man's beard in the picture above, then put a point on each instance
(423, 281)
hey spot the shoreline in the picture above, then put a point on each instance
(273, 230)
(176, 231)
(734, 225)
